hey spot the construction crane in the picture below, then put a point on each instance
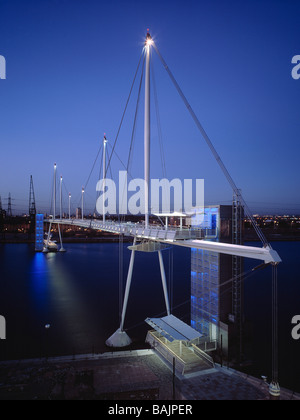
(32, 209)
(2, 213)
(9, 206)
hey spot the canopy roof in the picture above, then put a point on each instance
(173, 328)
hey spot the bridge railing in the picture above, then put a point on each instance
(154, 232)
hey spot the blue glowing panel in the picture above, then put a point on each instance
(39, 232)
(207, 218)
(213, 221)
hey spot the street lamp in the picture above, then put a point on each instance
(82, 194)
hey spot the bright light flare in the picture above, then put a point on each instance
(149, 42)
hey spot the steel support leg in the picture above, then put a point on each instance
(60, 238)
(127, 290)
(164, 282)
(120, 338)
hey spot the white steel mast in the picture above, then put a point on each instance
(54, 193)
(147, 129)
(104, 174)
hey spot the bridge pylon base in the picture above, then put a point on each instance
(119, 339)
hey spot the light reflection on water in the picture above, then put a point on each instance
(59, 303)
(77, 294)
(73, 312)
(39, 280)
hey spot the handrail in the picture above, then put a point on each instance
(201, 353)
(136, 229)
(170, 350)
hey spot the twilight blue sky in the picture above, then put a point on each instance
(70, 65)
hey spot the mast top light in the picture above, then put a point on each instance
(149, 40)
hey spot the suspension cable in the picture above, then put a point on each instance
(130, 154)
(95, 161)
(171, 276)
(259, 267)
(162, 155)
(246, 275)
(52, 193)
(213, 150)
(124, 112)
(121, 263)
(113, 148)
(120, 160)
(274, 325)
(131, 148)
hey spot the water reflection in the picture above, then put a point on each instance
(70, 311)
(39, 280)
(77, 294)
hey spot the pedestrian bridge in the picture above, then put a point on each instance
(180, 236)
(153, 232)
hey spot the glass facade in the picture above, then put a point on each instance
(205, 275)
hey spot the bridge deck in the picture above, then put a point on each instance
(154, 232)
(191, 238)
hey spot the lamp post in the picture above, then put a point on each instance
(82, 194)
(60, 198)
(70, 206)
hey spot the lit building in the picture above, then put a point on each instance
(212, 305)
(39, 232)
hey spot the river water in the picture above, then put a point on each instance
(78, 294)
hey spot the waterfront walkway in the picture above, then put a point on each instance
(135, 375)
